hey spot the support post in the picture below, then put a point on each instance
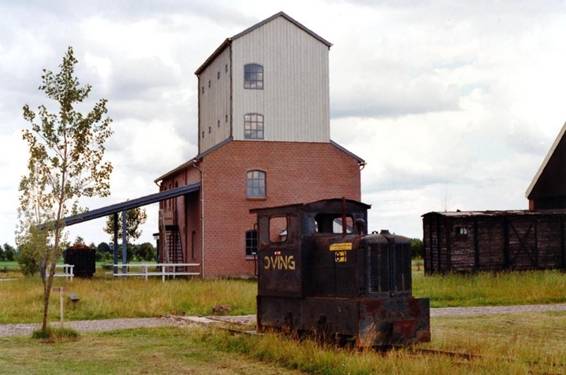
(124, 243)
(115, 249)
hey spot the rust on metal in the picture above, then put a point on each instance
(328, 279)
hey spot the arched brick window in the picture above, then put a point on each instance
(255, 184)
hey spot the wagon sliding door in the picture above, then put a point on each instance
(522, 246)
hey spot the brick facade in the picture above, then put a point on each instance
(295, 172)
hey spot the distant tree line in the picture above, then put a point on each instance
(8, 253)
(136, 253)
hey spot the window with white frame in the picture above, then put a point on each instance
(255, 184)
(253, 76)
(253, 126)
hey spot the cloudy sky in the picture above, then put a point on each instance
(452, 104)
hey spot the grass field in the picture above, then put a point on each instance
(9, 266)
(517, 344)
(103, 298)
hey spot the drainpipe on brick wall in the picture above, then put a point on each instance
(201, 218)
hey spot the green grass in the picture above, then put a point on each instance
(511, 288)
(516, 344)
(9, 266)
(103, 298)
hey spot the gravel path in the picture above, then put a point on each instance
(113, 324)
(89, 325)
(489, 310)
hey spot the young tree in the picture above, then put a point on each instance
(134, 219)
(66, 162)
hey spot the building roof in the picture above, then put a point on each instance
(350, 153)
(194, 160)
(496, 213)
(229, 40)
(561, 137)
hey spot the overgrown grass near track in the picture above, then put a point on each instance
(102, 298)
(504, 344)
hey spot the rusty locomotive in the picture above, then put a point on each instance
(320, 274)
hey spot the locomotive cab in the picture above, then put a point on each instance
(320, 273)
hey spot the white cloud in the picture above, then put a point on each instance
(453, 104)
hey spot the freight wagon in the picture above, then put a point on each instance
(468, 241)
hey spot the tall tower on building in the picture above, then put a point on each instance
(263, 140)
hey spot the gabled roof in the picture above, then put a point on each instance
(360, 161)
(193, 160)
(561, 137)
(228, 41)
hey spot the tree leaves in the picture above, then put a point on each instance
(66, 161)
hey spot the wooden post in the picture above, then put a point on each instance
(145, 269)
(61, 306)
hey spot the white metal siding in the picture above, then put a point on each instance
(295, 98)
(214, 104)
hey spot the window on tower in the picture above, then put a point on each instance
(255, 184)
(253, 126)
(253, 76)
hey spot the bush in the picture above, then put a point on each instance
(30, 251)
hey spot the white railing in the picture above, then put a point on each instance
(68, 271)
(147, 270)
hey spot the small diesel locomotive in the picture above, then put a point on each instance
(320, 274)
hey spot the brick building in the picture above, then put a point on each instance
(264, 140)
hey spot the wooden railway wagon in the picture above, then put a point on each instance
(469, 241)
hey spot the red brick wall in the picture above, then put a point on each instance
(296, 172)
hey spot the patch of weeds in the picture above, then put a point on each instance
(53, 334)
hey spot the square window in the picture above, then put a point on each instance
(253, 126)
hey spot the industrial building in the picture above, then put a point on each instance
(263, 140)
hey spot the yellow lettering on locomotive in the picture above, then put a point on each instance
(279, 262)
(340, 246)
